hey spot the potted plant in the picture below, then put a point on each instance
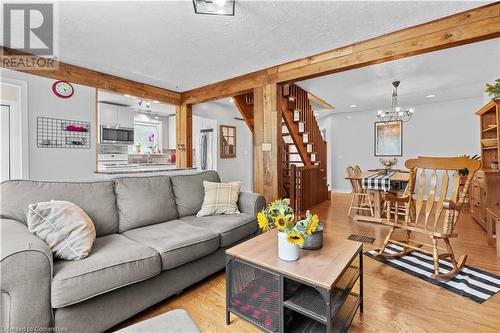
(388, 164)
(138, 147)
(152, 145)
(493, 90)
(291, 235)
(313, 230)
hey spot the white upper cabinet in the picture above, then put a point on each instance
(107, 114)
(114, 115)
(125, 117)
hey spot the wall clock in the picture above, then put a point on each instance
(63, 89)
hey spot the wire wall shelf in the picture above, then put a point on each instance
(63, 133)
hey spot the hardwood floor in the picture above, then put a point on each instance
(394, 301)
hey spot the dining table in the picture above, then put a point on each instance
(399, 177)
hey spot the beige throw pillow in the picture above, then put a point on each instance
(65, 227)
(220, 198)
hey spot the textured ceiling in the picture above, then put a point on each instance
(165, 44)
(450, 74)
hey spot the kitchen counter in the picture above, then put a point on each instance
(140, 169)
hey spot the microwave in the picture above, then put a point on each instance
(120, 135)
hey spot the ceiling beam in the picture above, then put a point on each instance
(246, 109)
(319, 101)
(471, 26)
(102, 81)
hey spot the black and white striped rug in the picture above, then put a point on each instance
(471, 282)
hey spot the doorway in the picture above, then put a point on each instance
(14, 149)
(5, 172)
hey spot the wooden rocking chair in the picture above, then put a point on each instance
(428, 218)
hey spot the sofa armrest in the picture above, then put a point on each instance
(25, 278)
(251, 203)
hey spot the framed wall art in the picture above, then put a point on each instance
(388, 138)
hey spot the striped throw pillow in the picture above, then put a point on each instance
(220, 198)
(65, 227)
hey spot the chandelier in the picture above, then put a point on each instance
(395, 113)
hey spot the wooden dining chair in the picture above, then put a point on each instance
(435, 217)
(361, 199)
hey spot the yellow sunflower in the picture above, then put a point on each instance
(295, 238)
(262, 221)
(313, 225)
(280, 222)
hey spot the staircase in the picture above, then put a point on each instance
(303, 149)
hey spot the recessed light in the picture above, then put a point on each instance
(353, 106)
(156, 102)
(157, 117)
(430, 96)
(127, 95)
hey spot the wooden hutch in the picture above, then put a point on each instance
(485, 190)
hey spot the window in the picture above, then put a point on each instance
(148, 135)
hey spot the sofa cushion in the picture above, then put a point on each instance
(144, 201)
(189, 191)
(97, 199)
(220, 198)
(114, 261)
(176, 241)
(231, 228)
(65, 227)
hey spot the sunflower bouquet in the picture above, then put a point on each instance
(279, 214)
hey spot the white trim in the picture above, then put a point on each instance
(20, 108)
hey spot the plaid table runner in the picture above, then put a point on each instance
(378, 182)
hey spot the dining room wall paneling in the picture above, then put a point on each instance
(447, 128)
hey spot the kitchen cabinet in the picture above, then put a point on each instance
(171, 133)
(485, 187)
(116, 116)
(484, 192)
(107, 114)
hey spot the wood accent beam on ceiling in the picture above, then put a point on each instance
(245, 109)
(267, 141)
(184, 136)
(471, 26)
(319, 101)
(102, 81)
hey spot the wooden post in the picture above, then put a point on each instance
(267, 138)
(184, 136)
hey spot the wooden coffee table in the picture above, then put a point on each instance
(320, 292)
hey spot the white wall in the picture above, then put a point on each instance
(325, 123)
(231, 169)
(58, 163)
(437, 129)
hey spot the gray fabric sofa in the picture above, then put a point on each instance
(149, 246)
